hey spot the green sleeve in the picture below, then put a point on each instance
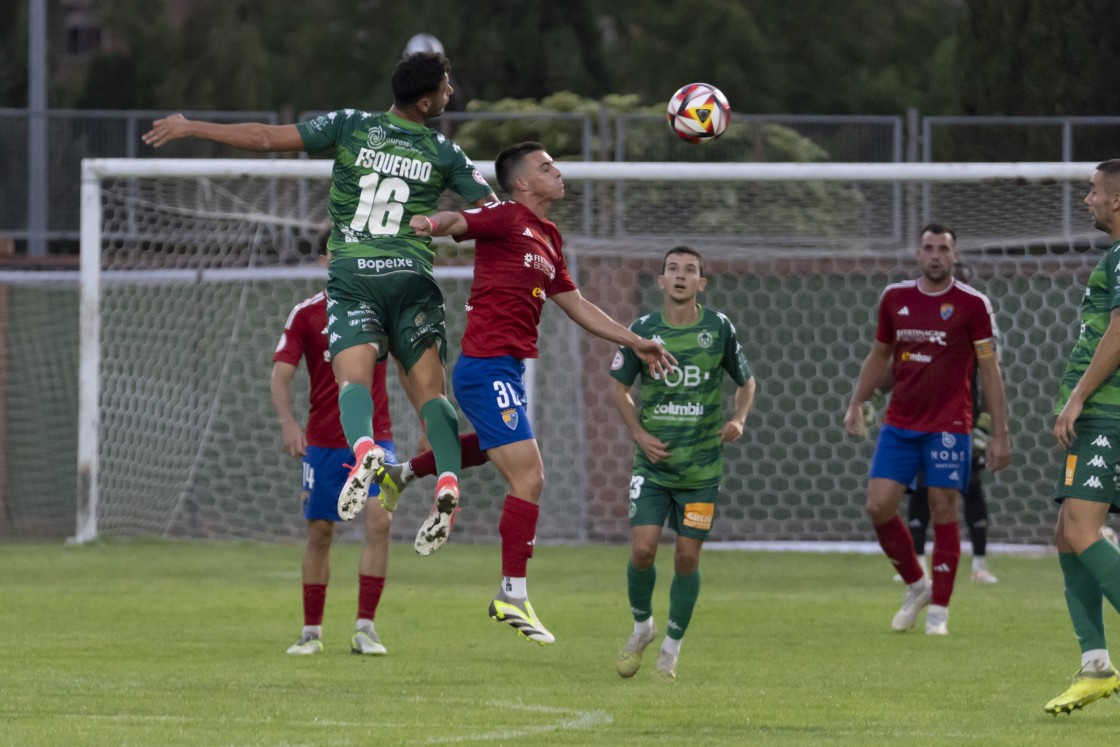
(322, 132)
(734, 359)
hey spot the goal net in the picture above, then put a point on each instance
(190, 268)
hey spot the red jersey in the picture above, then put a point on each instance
(933, 336)
(305, 335)
(518, 264)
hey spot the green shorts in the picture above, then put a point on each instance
(1091, 468)
(690, 512)
(399, 311)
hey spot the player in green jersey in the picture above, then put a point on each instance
(1088, 428)
(381, 294)
(679, 437)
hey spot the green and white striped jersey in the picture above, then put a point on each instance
(685, 409)
(387, 169)
(1102, 295)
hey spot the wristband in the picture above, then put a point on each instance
(432, 222)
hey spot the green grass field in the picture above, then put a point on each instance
(183, 644)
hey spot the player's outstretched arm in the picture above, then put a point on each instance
(252, 136)
(744, 398)
(876, 368)
(654, 448)
(447, 223)
(595, 320)
(280, 384)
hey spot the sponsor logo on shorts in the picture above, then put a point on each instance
(335, 337)
(1093, 482)
(699, 515)
(948, 440)
(617, 362)
(1071, 466)
(1097, 461)
(509, 417)
(1102, 441)
(633, 509)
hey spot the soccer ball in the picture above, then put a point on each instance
(698, 113)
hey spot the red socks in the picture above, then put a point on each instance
(518, 527)
(369, 594)
(314, 600)
(946, 557)
(425, 464)
(897, 543)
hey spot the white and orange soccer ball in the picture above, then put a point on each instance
(698, 113)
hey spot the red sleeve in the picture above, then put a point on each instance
(487, 221)
(382, 420)
(982, 326)
(291, 345)
(884, 332)
(563, 282)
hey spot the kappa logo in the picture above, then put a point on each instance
(904, 311)
(1102, 441)
(1093, 482)
(1097, 461)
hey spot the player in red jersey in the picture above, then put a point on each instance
(324, 450)
(932, 332)
(519, 263)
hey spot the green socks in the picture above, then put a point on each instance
(682, 598)
(355, 406)
(442, 426)
(639, 587)
(1083, 598)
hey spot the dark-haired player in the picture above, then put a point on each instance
(519, 263)
(381, 294)
(678, 454)
(932, 332)
(323, 449)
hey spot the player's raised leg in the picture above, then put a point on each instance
(353, 368)
(394, 478)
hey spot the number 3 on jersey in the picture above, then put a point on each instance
(381, 205)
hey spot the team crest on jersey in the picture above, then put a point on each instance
(946, 310)
(509, 417)
(704, 339)
(376, 137)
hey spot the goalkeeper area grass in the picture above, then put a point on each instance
(184, 644)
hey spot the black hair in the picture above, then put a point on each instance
(682, 249)
(509, 161)
(937, 228)
(418, 75)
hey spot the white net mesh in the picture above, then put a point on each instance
(196, 293)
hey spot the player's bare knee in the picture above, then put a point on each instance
(642, 556)
(320, 533)
(379, 523)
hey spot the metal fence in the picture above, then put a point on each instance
(39, 206)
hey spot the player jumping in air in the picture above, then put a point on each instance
(519, 263)
(381, 293)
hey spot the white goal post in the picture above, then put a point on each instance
(798, 251)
